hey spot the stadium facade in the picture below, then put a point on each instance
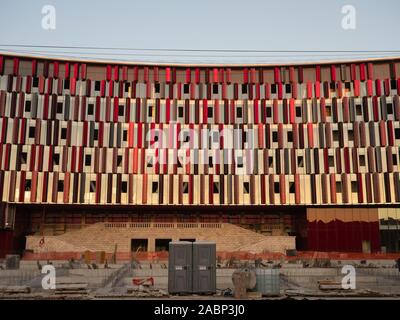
(308, 152)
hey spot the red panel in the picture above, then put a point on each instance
(108, 72)
(16, 66)
(318, 73)
(317, 89)
(333, 73)
(353, 73)
(310, 134)
(56, 69)
(83, 71)
(168, 74)
(292, 117)
(357, 88)
(277, 75)
(309, 90)
(370, 71)
(369, 88)
(387, 87)
(66, 70)
(362, 72)
(76, 70)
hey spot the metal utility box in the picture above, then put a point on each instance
(180, 267)
(204, 267)
(268, 282)
(12, 261)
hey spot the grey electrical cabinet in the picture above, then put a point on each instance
(180, 267)
(204, 267)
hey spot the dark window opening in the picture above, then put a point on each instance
(362, 160)
(288, 88)
(186, 88)
(92, 186)
(60, 186)
(290, 136)
(328, 109)
(88, 160)
(95, 134)
(358, 110)
(66, 84)
(127, 86)
(124, 187)
(63, 133)
(274, 136)
(180, 112)
(333, 86)
(300, 162)
(273, 88)
(270, 161)
(347, 85)
(210, 112)
(292, 187)
(246, 187)
(24, 156)
(121, 110)
(185, 187)
(335, 135)
(28, 106)
(350, 135)
(28, 185)
(139, 245)
(154, 187)
(35, 82)
(331, 161)
(157, 88)
(59, 107)
(338, 186)
(125, 135)
(298, 111)
(397, 133)
(354, 186)
(150, 114)
(150, 163)
(162, 244)
(389, 107)
(393, 84)
(276, 187)
(90, 109)
(210, 162)
(239, 112)
(119, 160)
(215, 89)
(244, 88)
(97, 86)
(56, 159)
(32, 132)
(216, 187)
(269, 112)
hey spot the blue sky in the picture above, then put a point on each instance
(206, 24)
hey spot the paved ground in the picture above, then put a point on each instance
(295, 281)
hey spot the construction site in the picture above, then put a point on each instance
(121, 180)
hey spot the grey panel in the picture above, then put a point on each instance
(67, 105)
(204, 267)
(180, 267)
(34, 105)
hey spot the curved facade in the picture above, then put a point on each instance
(319, 140)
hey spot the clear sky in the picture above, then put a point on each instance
(202, 24)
